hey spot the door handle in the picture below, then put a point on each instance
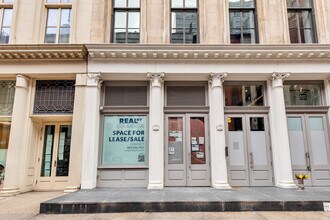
(55, 163)
(251, 160)
(308, 160)
(226, 151)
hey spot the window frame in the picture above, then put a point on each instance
(296, 11)
(126, 10)
(59, 6)
(184, 10)
(3, 7)
(255, 16)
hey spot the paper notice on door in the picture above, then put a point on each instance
(61, 146)
(236, 145)
(201, 140)
(171, 150)
(178, 139)
(200, 155)
(195, 147)
(193, 140)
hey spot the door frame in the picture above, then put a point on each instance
(186, 137)
(52, 179)
(246, 129)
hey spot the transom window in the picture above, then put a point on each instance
(58, 23)
(184, 21)
(302, 93)
(126, 21)
(6, 12)
(7, 93)
(300, 18)
(242, 19)
(244, 95)
(54, 97)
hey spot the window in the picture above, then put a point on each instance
(302, 94)
(6, 12)
(184, 22)
(244, 95)
(242, 19)
(54, 97)
(126, 26)
(300, 16)
(58, 23)
(7, 93)
(185, 95)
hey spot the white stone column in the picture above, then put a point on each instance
(91, 131)
(75, 167)
(279, 134)
(219, 175)
(17, 140)
(156, 132)
(327, 90)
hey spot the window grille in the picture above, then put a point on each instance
(126, 96)
(7, 93)
(54, 97)
(185, 96)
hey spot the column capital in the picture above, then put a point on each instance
(22, 81)
(156, 79)
(216, 79)
(94, 79)
(277, 79)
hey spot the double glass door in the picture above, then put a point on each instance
(309, 145)
(187, 150)
(54, 157)
(248, 150)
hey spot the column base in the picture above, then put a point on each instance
(156, 185)
(287, 185)
(71, 189)
(7, 192)
(88, 185)
(221, 185)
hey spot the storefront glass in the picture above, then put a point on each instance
(244, 95)
(124, 140)
(302, 94)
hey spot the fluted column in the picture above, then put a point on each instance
(17, 138)
(217, 133)
(75, 168)
(91, 131)
(156, 132)
(279, 132)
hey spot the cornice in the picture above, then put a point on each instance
(208, 52)
(42, 52)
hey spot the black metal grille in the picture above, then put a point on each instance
(54, 97)
(7, 93)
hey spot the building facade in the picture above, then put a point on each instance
(139, 93)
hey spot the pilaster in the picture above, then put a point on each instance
(75, 169)
(279, 134)
(91, 131)
(17, 138)
(156, 132)
(217, 132)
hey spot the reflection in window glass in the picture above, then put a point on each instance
(299, 3)
(242, 22)
(63, 151)
(302, 94)
(58, 26)
(184, 27)
(257, 124)
(47, 153)
(5, 124)
(126, 21)
(238, 95)
(5, 26)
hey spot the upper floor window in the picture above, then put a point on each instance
(184, 21)
(126, 26)
(58, 24)
(250, 94)
(6, 11)
(242, 19)
(300, 16)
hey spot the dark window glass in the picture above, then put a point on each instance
(184, 22)
(303, 94)
(235, 124)
(126, 21)
(242, 22)
(54, 97)
(300, 21)
(241, 95)
(257, 124)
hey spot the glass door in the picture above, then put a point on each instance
(54, 157)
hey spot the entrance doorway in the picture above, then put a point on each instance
(309, 145)
(187, 160)
(248, 150)
(54, 157)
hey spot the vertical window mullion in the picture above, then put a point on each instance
(58, 25)
(241, 23)
(184, 25)
(298, 26)
(127, 16)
